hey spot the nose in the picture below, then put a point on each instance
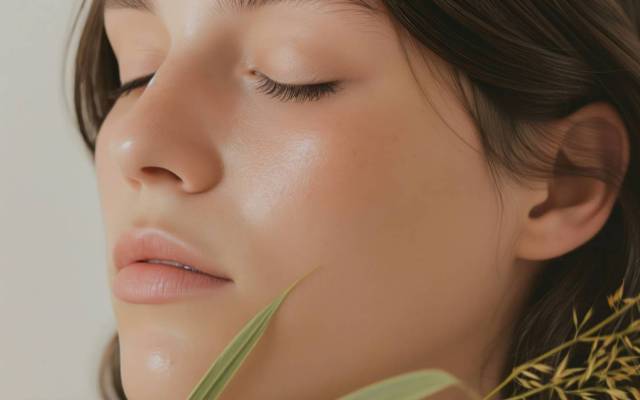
(163, 137)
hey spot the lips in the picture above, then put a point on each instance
(155, 246)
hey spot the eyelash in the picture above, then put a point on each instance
(282, 91)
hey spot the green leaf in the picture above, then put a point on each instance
(229, 361)
(409, 386)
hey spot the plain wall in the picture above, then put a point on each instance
(55, 305)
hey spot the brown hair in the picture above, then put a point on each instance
(527, 63)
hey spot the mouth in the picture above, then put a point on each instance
(156, 247)
(155, 267)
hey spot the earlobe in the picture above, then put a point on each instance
(576, 204)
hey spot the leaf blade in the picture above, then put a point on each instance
(219, 374)
(408, 386)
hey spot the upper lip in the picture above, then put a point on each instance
(137, 245)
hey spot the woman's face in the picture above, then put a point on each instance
(387, 193)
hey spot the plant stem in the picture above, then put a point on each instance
(617, 335)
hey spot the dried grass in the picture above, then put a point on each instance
(610, 370)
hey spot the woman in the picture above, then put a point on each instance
(464, 173)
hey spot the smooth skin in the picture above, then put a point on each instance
(387, 192)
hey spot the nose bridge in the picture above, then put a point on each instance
(163, 137)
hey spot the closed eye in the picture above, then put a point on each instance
(282, 91)
(126, 88)
(300, 93)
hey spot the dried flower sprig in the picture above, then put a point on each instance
(613, 361)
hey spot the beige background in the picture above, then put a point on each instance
(54, 300)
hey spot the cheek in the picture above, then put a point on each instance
(380, 188)
(398, 211)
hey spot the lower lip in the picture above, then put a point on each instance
(144, 283)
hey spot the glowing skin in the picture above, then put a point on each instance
(370, 183)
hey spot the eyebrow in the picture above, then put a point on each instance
(149, 5)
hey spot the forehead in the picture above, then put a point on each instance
(368, 16)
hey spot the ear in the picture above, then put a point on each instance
(575, 208)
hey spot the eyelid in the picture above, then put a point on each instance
(261, 76)
(284, 91)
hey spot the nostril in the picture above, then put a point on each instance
(155, 173)
(159, 171)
